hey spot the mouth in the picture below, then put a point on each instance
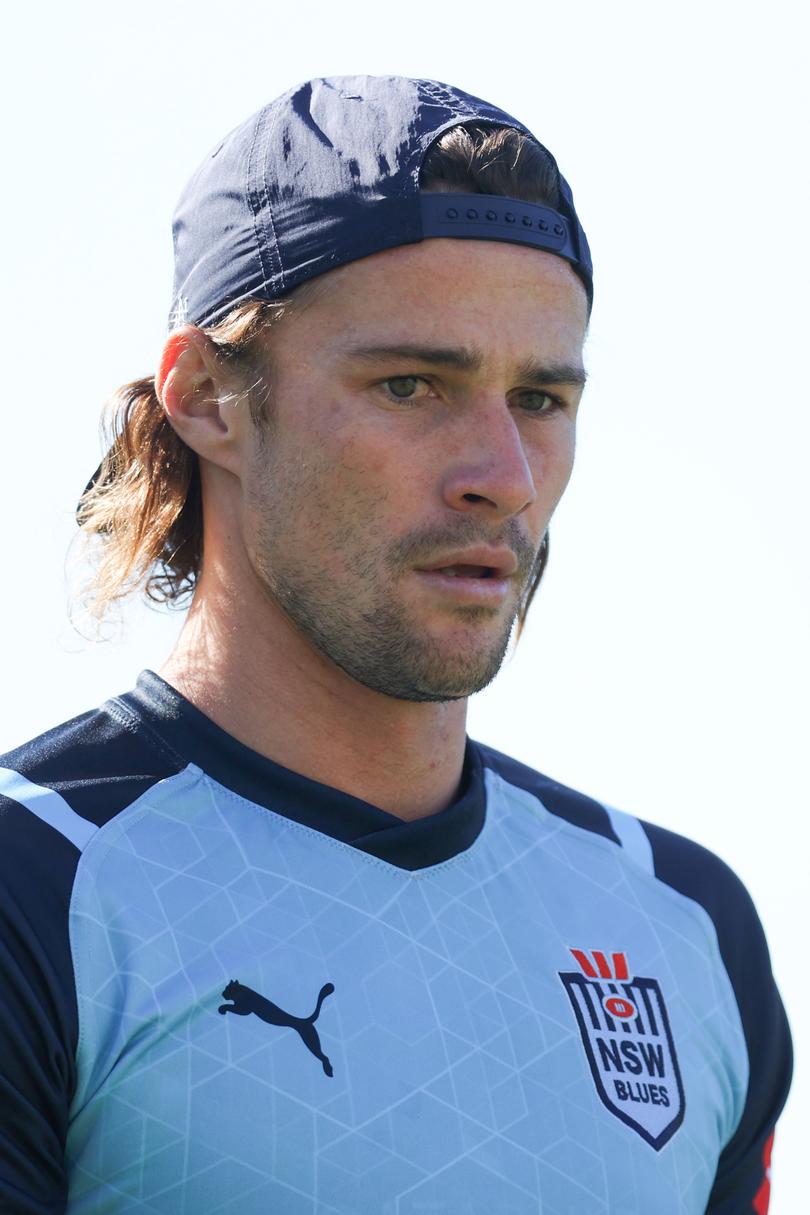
(485, 561)
(465, 571)
(480, 584)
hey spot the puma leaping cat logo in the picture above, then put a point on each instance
(247, 1001)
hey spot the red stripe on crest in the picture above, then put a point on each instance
(584, 962)
(601, 961)
(620, 965)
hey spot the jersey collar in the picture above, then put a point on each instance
(195, 739)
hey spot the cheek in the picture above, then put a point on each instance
(568, 452)
(368, 468)
(336, 491)
(553, 461)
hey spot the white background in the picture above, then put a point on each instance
(666, 665)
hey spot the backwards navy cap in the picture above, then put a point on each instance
(329, 173)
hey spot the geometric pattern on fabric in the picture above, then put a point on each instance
(460, 1083)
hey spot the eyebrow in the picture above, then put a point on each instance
(459, 358)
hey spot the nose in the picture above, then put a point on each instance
(490, 471)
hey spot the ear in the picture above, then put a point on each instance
(190, 384)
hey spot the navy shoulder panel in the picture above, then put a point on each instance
(558, 799)
(100, 762)
(698, 874)
(96, 765)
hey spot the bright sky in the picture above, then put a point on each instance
(666, 664)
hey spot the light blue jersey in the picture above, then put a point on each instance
(546, 1007)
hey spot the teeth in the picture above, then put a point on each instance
(448, 570)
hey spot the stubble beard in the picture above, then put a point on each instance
(385, 653)
(377, 645)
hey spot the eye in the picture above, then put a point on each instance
(403, 387)
(534, 400)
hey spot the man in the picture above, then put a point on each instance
(277, 935)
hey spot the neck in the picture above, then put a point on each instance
(259, 679)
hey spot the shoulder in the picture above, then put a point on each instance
(699, 874)
(566, 803)
(95, 764)
(710, 887)
(56, 791)
(689, 871)
(685, 866)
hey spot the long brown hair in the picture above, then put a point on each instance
(142, 514)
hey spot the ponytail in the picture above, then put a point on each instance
(141, 515)
(144, 505)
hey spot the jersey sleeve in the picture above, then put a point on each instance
(742, 1182)
(55, 792)
(37, 1012)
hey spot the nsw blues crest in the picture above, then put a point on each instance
(623, 1022)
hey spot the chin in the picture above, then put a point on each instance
(427, 675)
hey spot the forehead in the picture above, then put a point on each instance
(490, 293)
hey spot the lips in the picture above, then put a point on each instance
(479, 577)
(465, 571)
(483, 562)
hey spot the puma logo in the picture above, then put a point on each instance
(247, 1001)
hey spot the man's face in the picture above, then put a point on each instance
(423, 406)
